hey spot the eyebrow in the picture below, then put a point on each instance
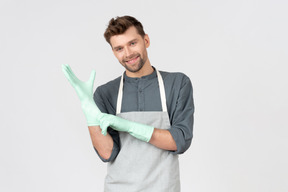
(114, 48)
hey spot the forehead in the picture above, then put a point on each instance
(122, 39)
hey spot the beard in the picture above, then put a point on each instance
(137, 67)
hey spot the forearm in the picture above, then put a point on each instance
(102, 143)
(163, 139)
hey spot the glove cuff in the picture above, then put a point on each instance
(143, 132)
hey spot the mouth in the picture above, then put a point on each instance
(133, 60)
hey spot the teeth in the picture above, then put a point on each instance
(132, 60)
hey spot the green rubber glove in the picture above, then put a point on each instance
(84, 91)
(95, 117)
(140, 131)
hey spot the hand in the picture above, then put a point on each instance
(84, 91)
(94, 116)
(140, 131)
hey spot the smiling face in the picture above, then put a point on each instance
(130, 50)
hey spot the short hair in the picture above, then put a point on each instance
(119, 25)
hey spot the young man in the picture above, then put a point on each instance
(146, 116)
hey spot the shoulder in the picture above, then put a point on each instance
(175, 77)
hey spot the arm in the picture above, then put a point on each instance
(163, 139)
(182, 114)
(157, 137)
(107, 147)
(178, 138)
(103, 144)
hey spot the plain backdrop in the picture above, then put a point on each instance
(235, 53)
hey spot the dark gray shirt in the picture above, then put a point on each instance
(143, 94)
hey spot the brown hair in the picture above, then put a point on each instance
(119, 25)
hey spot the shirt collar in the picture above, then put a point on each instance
(146, 77)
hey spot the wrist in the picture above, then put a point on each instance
(91, 113)
(142, 132)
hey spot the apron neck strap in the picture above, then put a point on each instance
(161, 88)
(162, 91)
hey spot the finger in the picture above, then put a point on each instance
(67, 75)
(104, 126)
(64, 67)
(104, 131)
(72, 75)
(92, 76)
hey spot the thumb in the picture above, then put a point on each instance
(92, 77)
(104, 126)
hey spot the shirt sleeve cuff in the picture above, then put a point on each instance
(179, 140)
(113, 155)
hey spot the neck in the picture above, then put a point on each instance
(147, 69)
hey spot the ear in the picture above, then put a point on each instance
(146, 40)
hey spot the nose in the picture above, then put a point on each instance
(127, 52)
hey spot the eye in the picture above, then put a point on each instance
(118, 49)
(133, 43)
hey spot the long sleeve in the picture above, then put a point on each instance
(182, 117)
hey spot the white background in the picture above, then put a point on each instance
(235, 53)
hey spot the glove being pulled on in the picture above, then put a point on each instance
(84, 91)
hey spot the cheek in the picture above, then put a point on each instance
(118, 56)
(143, 52)
(139, 50)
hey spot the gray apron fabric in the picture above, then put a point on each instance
(141, 166)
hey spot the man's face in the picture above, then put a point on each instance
(130, 49)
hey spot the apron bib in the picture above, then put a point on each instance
(140, 166)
